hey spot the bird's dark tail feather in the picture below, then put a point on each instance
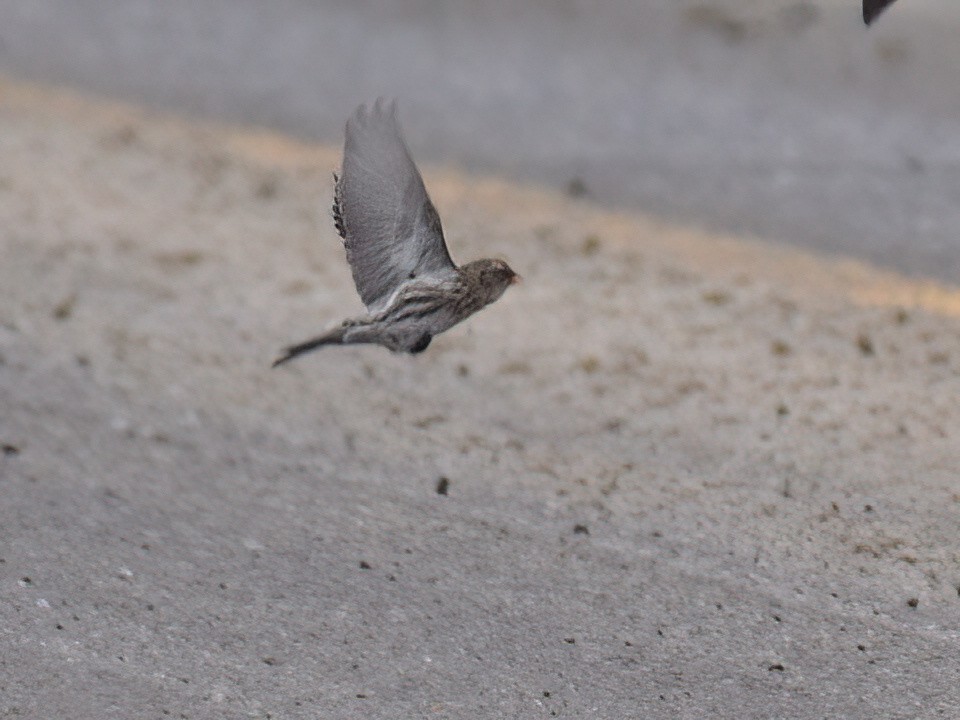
(333, 337)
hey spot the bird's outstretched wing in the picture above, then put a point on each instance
(390, 229)
(872, 8)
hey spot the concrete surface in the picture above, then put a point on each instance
(690, 476)
(783, 119)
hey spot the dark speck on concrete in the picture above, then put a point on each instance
(576, 187)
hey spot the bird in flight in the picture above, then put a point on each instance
(873, 8)
(395, 247)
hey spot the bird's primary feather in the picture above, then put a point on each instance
(390, 228)
(872, 8)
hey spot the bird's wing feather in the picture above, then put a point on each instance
(391, 231)
(872, 8)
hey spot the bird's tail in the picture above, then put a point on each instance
(331, 337)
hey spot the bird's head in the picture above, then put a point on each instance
(492, 277)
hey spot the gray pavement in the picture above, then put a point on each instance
(784, 119)
(710, 486)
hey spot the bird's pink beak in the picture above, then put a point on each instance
(515, 279)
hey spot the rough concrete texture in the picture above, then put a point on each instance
(687, 476)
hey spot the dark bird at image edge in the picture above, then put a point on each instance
(395, 247)
(873, 8)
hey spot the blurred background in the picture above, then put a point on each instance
(784, 119)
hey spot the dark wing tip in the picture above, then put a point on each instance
(337, 208)
(873, 8)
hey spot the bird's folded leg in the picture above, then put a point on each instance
(421, 344)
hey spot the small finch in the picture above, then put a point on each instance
(395, 247)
